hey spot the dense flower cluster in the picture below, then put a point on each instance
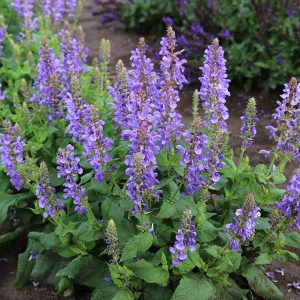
(78, 112)
(69, 170)
(2, 38)
(96, 146)
(112, 242)
(48, 83)
(249, 121)
(73, 52)
(244, 224)
(214, 86)
(57, 9)
(185, 238)
(47, 200)
(11, 150)
(120, 93)
(290, 204)
(25, 9)
(168, 121)
(194, 158)
(287, 119)
(143, 147)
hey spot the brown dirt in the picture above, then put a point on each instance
(121, 44)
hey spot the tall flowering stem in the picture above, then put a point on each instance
(96, 146)
(243, 227)
(194, 157)
(249, 121)
(11, 150)
(69, 170)
(112, 242)
(287, 119)
(73, 51)
(214, 86)
(48, 83)
(172, 79)
(139, 132)
(47, 200)
(185, 238)
(25, 9)
(78, 112)
(120, 93)
(290, 204)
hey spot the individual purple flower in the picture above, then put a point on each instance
(249, 121)
(287, 119)
(290, 12)
(33, 256)
(2, 93)
(69, 170)
(197, 28)
(280, 271)
(47, 200)
(290, 204)
(211, 4)
(185, 239)
(11, 150)
(184, 42)
(168, 121)
(2, 39)
(295, 285)
(73, 52)
(214, 86)
(243, 227)
(168, 21)
(96, 146)
(225, 34)
(265, 153)
(143, 140)
(48, 83)
(24, 9)
(194, 157)
(271, 276)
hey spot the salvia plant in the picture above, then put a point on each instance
(114, 192)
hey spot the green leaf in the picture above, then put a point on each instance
(292, 239)
(155, 292)
(87, 270)
(124, 295)
(85, 178)
(137, 245)
(149, 273)
(194, 287)
(261, 284)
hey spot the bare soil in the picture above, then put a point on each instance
(122, 43)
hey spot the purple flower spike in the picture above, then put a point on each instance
(11, 150)
(214, 86)
(243, 227)
(249, 121)
(290, 204)
(2, 39)
(47, 200)
(69, 170)
(185, 239)
(48, 83)
(2, 93)
(167, 120)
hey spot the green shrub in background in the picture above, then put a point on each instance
(260, 37)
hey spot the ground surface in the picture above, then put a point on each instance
(121, 44)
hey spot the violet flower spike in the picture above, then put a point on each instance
(185, 239)
(69, 170)
(11, 151)
(243, 227)
(214, 86)
(290, 204)
(167, 120)
(47, 200)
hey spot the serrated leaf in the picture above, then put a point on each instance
(149, 273)
(194, 287)
(137, 245)
(292, 239)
